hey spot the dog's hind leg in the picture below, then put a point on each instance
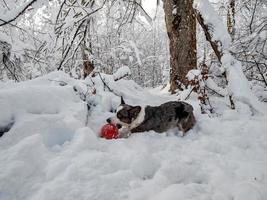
(186, 124)
(181, 129)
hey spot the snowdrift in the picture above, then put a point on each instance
(53, 151)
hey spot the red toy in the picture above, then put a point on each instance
(109, 131)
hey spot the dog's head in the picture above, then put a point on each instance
(125, 115)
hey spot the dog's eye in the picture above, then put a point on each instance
(113, 111)
(119, 115)
(124, 113)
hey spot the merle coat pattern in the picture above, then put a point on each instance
(166, 116)
(173, 114)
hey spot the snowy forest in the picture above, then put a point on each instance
(180, 84)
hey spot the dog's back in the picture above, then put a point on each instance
(166, 116)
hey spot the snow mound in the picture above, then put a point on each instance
(49, 153)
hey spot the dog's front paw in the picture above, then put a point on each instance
(124, 132)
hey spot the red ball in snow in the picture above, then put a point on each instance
(109, 131)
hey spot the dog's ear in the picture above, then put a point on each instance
(135, 111)
(122, 101)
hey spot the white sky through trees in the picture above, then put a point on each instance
(150, 6)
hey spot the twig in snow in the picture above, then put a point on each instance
(106, 85)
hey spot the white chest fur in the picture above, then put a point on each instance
(140, 118)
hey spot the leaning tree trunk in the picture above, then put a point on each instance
(216, 46)
(237, 84)
(181, 28)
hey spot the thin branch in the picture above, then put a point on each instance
(105, 84)
(187, 97)
(252, 18)
(258, 67)
(208, 88)
(5, 58)
(6, 4)
(20, 13)
(71, 44)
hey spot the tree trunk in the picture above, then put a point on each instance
(88, 65)
(181, 28)
(231, 18)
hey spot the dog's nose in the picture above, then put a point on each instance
(109, 120)
(118, 126)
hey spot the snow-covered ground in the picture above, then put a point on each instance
(53, 151)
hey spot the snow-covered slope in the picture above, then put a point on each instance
(49, 153)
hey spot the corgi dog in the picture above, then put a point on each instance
(173, 114)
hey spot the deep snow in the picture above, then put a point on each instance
(50, 153)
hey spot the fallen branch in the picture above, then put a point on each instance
(125, 75)
(121, 73)
(107, 86)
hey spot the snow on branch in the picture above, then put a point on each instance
(220, 40)
(213, 21)
(121, 73)
(14, 14)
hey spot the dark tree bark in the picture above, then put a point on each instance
(88, 65)
(231, 19)
(181, 28)
(9, 66)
